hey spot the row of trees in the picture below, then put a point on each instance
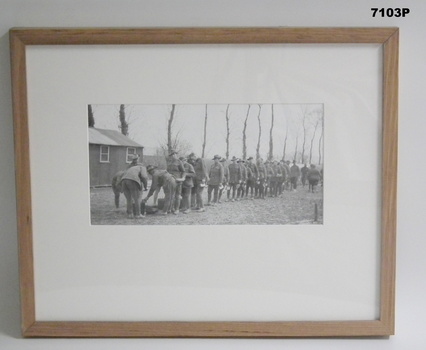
(300, 131)
(306, 128)
(123, 120)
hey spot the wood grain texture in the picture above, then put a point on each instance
(388, 37)
(208, 329)
(23, 186)
(105, 36)
(389, 180)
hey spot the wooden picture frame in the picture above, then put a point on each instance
(21, 39)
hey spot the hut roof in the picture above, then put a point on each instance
(110, 138)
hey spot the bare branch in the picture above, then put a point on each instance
(244, 134)
(205, 134)
(169, 129)
(227, 131)
(271, 141)
(260, 134)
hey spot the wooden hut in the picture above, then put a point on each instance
(109, 152)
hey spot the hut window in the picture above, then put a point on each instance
(130, 152)
(104, 154)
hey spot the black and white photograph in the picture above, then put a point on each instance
(206, 164)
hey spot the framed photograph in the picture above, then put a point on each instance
(206, 182)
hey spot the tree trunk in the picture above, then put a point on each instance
(205, 134)
(295, 150)
(91, 117)
(169, 129)
(244, 134)
(271, 141)
(260, 134)
(227, 132)
(304, 111)
(124, 126)
(320, 144)
(312, 142)
(285, 141)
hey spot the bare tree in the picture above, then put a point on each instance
(124, 125)
(178, 144)
(285, 139)
(316, 123)
(91, 117)
(260, 134)
(181, 146)
(205, 134)
(227, 132)
(320, 141)
(169, 129)
(271, 141)
(244, 134)
(304, 126)
(297, 143)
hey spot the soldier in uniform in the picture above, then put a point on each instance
(270, 177)
(187, 185)
(135, 161)
(216, 177)
(200, 180)
(242, 186)
(234, 172)
(116, 180)
(276, 178)
(304, 172)
(177, 170)
(225, 179)
(260, 184)
(294, 175)
(313, 176)
(252, 178)
(284, 176)
(161, 178)
(131, 184)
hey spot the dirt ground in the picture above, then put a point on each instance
(293, 207)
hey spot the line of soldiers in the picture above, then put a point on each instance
(185, 178)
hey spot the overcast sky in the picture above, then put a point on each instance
(148, 126)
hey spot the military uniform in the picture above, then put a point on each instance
(294, 175)
(287, 181)
(270, 177)
(241, 187)
(187, 185)
(314, 176)
(177, 170)
(234, 171)
(225, 179)
(234, 178)
(161, 178)
(276, 179)
(260, 185)
(304, 172)
(215, 179)
(282, 179)
(252, 177)
(131, 183)
(200, 179)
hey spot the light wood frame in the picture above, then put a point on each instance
(388, 37)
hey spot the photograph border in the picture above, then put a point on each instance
(20, 38)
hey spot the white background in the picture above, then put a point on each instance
(213, 273)
(411, 239)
